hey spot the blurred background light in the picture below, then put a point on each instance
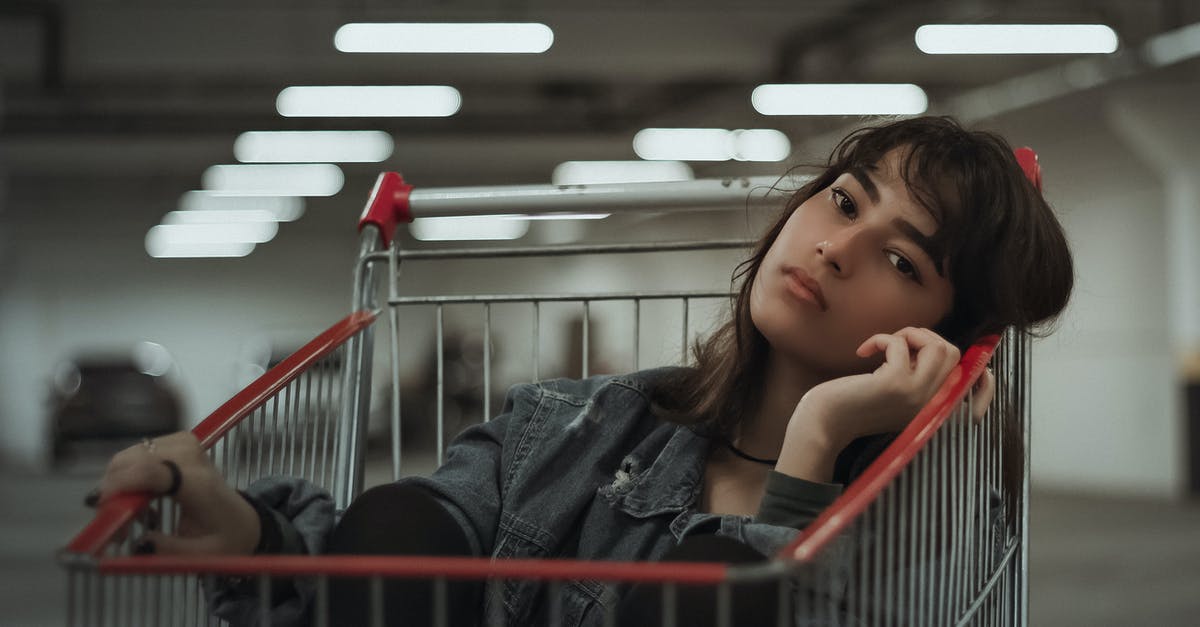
(236, 232)
(760, 144)
(313, 147)
(218, 216)
(1173, 46)
(711, 144)
(164, 250)
(302, 179)
(599, 172)
(152, 358)
(1016, 39)
(444, 38)
(281, 208)
(498, 227)
(376, 101)
(684, 144)
(839, 99)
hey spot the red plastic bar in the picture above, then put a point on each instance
(387, 205)
(411, 567)
(119, 511)
(1029, 163)
(867, 488)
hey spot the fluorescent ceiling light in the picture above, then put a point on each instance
(839, 99)
(281, 208)
(451, 38)
(237, 232)
(227, 249)
(386, 101)
(1174, 46)
(1016, 39)
(599, 172)
(760, 144)
(313, 147)
(303, 179)
(711, 144)
(208, 240)
(498, 227)
(218, 216)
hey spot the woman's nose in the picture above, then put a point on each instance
(831, 254)
(838, 249)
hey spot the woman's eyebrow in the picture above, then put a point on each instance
(924, 242)
(863, 177)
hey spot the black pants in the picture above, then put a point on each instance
(404, 520)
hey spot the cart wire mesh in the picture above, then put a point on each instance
(933, 533)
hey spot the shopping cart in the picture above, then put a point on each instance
(934, 532)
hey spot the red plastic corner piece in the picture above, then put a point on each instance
(1029, 163)
(387, 206)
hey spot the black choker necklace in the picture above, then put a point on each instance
(729, 445)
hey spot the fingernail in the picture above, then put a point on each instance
(92, 498)
(144, 547)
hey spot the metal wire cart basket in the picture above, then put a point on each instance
(933, 533)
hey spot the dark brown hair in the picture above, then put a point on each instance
(1007, 258)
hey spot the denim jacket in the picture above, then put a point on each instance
(570, 469)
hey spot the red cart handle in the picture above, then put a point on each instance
(1029, 163)
(387, 206)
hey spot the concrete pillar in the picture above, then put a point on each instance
(1159, 127)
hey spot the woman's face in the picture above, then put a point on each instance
(850, 262)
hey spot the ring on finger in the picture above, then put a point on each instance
(148, 444)
(176, 478)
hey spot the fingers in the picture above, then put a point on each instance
(981, 395)
(894, 347)
(139, 468)
(147, 474)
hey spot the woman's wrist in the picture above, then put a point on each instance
(810, 447)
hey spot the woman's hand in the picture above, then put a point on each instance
(838, 411)
(214, 518)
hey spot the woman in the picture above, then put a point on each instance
(916, 238)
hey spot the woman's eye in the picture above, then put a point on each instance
(903, 265)
(844, 202)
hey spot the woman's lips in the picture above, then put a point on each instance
(804, 287)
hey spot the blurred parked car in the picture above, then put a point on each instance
(109, 402)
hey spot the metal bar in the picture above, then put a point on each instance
(328, 416)
(637, 334)
(730, 193)
(274, 433)
(376, 601)
(683, 359)
(550, 298)
(1024, 411)
(487, 362)
(668, 605)
(537, 338)
(562, 251)
(555, 600)
(321, 609)
(890, 561)
(394, 330)
(440, 609)
(441, 388)
(394, 421)
(724, 605)
(586, 325)
(996, 577)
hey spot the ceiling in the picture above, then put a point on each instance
(139, 87)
